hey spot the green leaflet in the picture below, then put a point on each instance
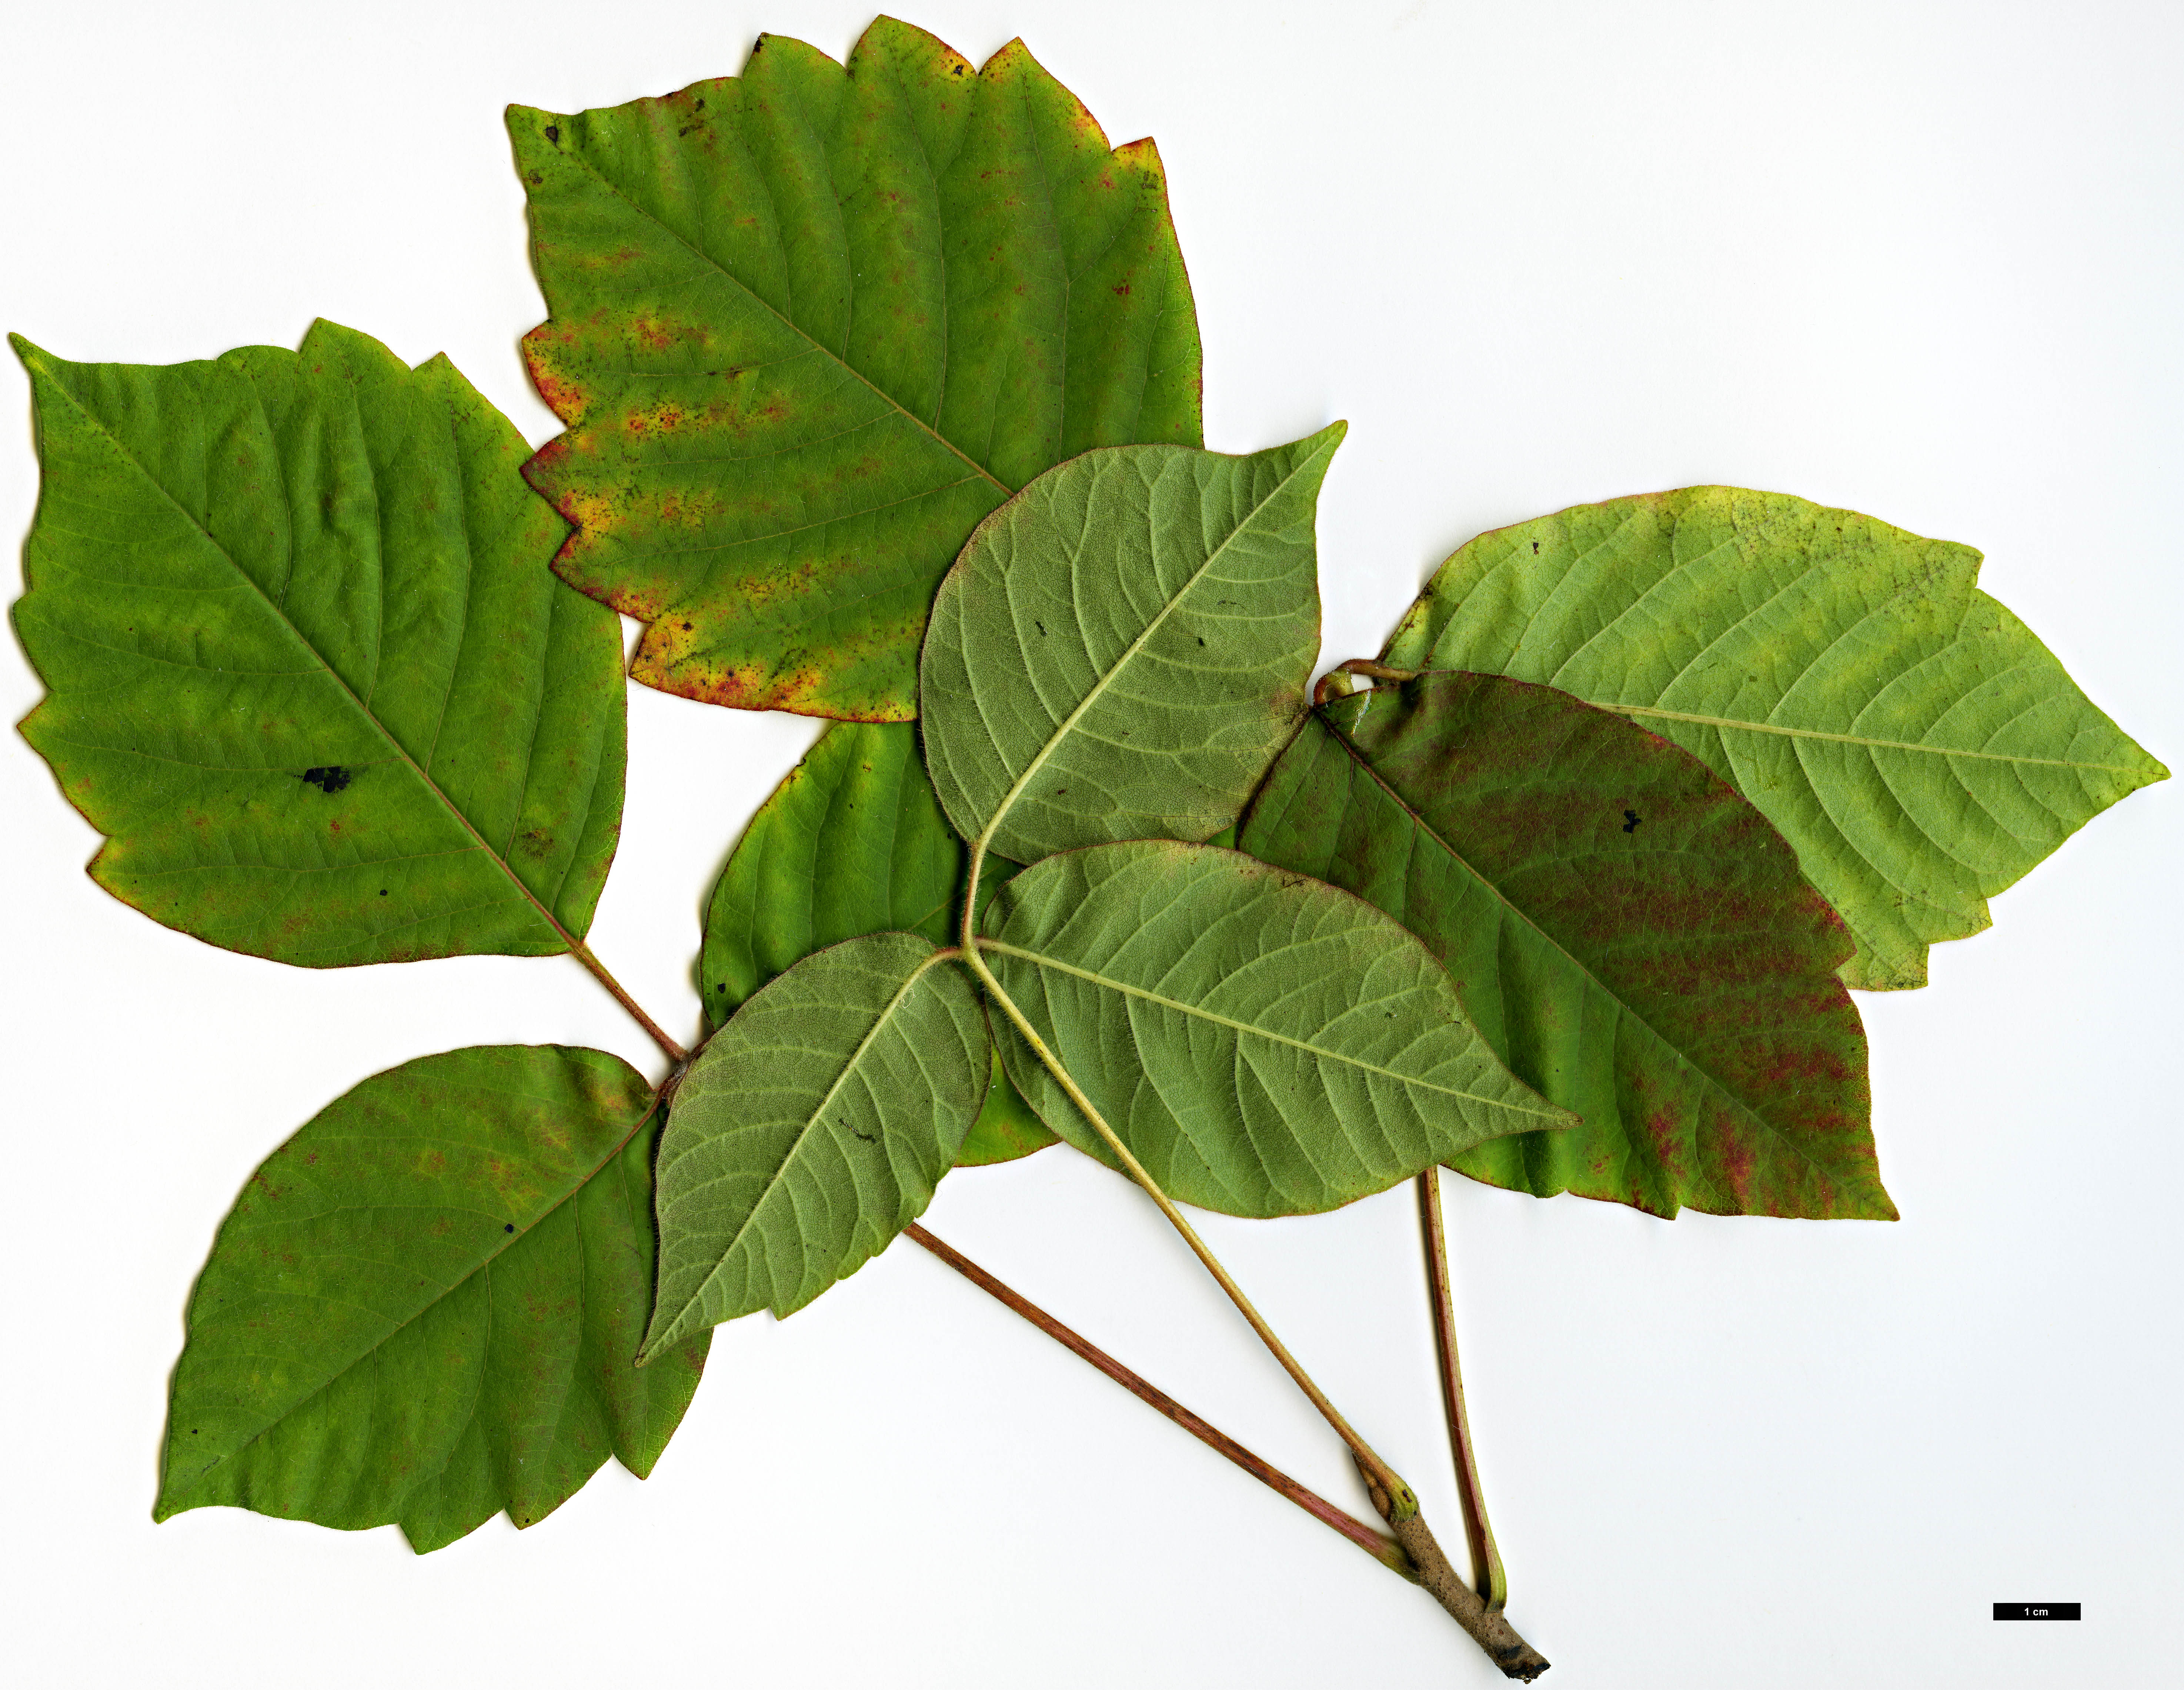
(808, 326)
(813, 1129)
(1912, 739)
(1123, 647)
(308, 670)
(424, 1306)
(1630, 935)
(1264, 1044)
(853, 842)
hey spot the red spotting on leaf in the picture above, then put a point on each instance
(1632, 936)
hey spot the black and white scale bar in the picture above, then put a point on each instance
(2036, 1610)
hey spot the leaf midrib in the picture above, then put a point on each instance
(1039, 959)
(401, 752)
(1358, 756)
(1735, 724)
(1067, 725)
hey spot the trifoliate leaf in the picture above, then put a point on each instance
(809, 326)
(1123, 647)
(1264, 1044)
(1630, 935)
(309, 670)
(853, 842)
(426, 1306)
(813, 1129)
(1914, 741)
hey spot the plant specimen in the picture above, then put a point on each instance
(880, 383)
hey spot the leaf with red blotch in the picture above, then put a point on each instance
(1632, 936)
(809, 324)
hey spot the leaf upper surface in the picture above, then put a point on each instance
(1913, 740)
(1123, 647)
(1630, 935)
(1265, 1044)
(307, 668)
(426, 1306)
(813, 1129)
(852, 842)
(810, 323)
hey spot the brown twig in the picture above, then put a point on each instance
(1382, 1547)
(1490, 1630)
(1332, 685)
(1486, 1559)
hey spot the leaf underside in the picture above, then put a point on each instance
(1914, 741)
(813, 1129)
(426, 1306)
(1265, 1045)
(852, 842)
(1633, 938)
(809, 326)
(307, 667)
(1122, 648)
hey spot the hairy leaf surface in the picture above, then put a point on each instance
(1913, 740)
(1631, 936)
(852, 842)
(1123, 647)
(809, 326)
(1264, 1044)
(426, 1306)
(813, 1129)
(307, 669)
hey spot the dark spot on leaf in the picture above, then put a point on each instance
(331, 779)
(1536, 548)
(510, 1227)
(959, 70)
(1630, 821)
(1202, 640)
(554, 133)
(1040, 626)
(382, 891)
(685, 628)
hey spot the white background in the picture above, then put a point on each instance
(1922, 260)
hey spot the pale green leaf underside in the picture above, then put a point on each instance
(852, 842)
(813, 1129)
(1264, 1044)
(308, 667)
(426, 1306)
(1914, 742)
(1124, 646)
(811, 323)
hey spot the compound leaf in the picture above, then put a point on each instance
(307, 669)
(1630, 935)
(1913, 740)
(1123, 647)
(426, 1306)
(852, 842)
(813, 1129)
(809, 326)
(1265, 1044)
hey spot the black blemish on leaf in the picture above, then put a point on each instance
(1040, 626)
(1536, 548)
(329, 779)
(959, 70)
(554, 133)
(685, 628)
(510, 1227)
(1630, 821)
(382, 891)
(1202, 640)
